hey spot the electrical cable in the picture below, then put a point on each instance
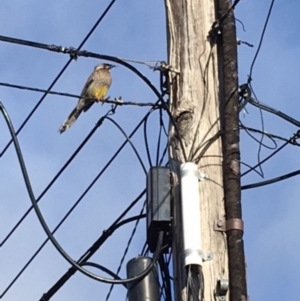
(146, 143)
(131, 144)
(118, 102)
(271, 155)
(246, 129)
(260, 41)
(59, 74)
(126, 251)
(89, 253)
(70, 160)
(77, 53)
(92, 250)
(271, 181)
(72, 157)
(41, 218)
(271, 110)
(166, 277)
(270, 135)
(102, 268)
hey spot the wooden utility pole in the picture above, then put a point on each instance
(196, 96)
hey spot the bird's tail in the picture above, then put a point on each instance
(70, 120)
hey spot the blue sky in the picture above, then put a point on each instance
(133, 30)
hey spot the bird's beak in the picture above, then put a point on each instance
(110, 66)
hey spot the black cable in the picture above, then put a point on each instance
(39, 214)
(247, 130)
(92, 250)
(274, 111)
(161, 126)
(130, 142)
(89, 253)
(59, 74)
(72, 157)
(271, 181)
(270, 156)
(126, 251)
(270, 135)
(166, 277)
(146, 143)
(109, 101)
(261, 40)
(70, 160)
(77, 53)
(102, 268)
(249, 166)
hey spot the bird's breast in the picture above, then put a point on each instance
(99, 92)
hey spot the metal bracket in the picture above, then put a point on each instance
(221, 289)
(230, 224)
(205, 256)
(199, 175)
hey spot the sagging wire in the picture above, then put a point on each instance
(260, 41)
(104, 269)
(271, 136)
(146, 143)
(165, 275)
(6, 39)
(247, 130)
(72, 157)
(96, 245)
(126, 251)
(78, 53)
(271, 181)
(271, 110)
(45, 226)
(116, 101)
(293, 138)
(129, 141)
(84, 193)
(161, 128)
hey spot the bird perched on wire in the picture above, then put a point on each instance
(94, 89)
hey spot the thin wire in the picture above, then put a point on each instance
(76, 53)
(42, 220)
(271, 155)
(116, 101)
(247, 130)
(146, 143)
(261, 40)
(262, 136)
(96, 245)
(104, 269)
(269, 135)
(130, 142)
(126, 251)
(72, 157)
(271, 110)
(271, 181)
(59, 75)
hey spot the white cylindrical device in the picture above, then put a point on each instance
(191, 215)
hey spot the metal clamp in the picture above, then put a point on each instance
(221, 289)
(205, 256)
(199, 175)
(230, 224)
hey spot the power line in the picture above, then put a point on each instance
(295, 136)
(261, 40)
(59, 74)
(271, 181)
(116, 101)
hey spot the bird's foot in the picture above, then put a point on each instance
(118, 99)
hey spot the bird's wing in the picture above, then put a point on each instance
(82, 102)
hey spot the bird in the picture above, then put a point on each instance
(94, 90)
